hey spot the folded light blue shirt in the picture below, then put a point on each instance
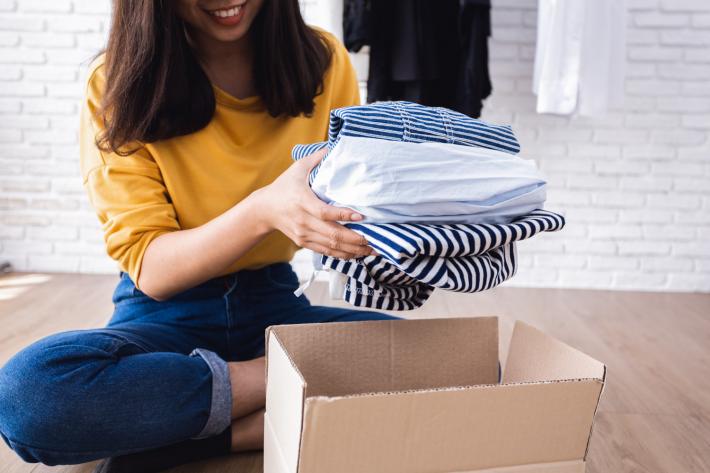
(397, 162)
(397, 182)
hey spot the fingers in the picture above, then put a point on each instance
(317, 207)
(338, 234)
(335, 239)
(315, 226)
(313, 159)
(324, 250)
(322, 211)
(330, 213)
(338, 238)
(328, 238)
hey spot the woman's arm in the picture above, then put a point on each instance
(178, 260)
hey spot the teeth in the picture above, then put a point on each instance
(227, 13)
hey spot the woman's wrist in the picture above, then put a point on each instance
(258, 211)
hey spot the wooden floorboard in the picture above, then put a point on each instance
(654, 416)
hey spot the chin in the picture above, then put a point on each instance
(233, 34)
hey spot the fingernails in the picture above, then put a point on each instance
(356, 217)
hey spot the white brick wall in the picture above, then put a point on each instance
(635, 184)
(45, 220)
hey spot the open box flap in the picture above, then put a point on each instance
(285, 394)
(535, 356)
(449, 430)
(342, 358)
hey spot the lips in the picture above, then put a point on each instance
(228, 16)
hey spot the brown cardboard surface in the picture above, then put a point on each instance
(559, 467)
(284, 405)
(373, 356)
(450, 430)
(536, 356)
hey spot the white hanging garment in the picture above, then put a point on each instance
(603, 67)
(327, 15)
(580, 56)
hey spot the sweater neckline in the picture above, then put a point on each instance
(225, 98)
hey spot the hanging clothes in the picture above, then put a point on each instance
(580, 56)
(328, 15)
(474, 82)
(413, 258)
(432, 53)
(356, 24)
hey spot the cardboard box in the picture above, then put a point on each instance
(415, 396)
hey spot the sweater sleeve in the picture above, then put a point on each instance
(127, 192)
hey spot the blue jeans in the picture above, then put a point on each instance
(155, 375)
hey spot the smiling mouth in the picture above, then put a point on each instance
(227, 12)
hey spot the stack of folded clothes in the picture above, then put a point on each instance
(444, 198)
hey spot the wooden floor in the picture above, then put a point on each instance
(654, 416)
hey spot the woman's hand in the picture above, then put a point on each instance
(289, 205)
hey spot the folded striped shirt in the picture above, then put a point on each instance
(411, 122)
(414, 259)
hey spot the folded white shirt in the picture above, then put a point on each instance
(395, 182)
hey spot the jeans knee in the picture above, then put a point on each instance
(19, 396)
(43, 393)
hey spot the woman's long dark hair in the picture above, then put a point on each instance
(156, 89)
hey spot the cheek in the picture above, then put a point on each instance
(189, 13)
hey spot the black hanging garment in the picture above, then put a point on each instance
(433, 53)
(474, 83)
(356, 24)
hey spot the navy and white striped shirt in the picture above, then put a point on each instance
(411, 122)
(414, 259)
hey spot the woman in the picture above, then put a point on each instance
(186, 130)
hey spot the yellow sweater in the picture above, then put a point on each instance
(183, 182)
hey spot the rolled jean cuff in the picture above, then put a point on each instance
(220, 416)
